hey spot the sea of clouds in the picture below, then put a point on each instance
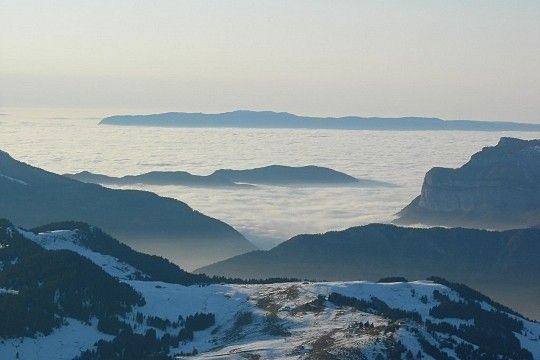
(266, 214)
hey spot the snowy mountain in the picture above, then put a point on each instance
(294, 320)
(502, 264)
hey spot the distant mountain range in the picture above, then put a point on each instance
(182, 178)
(502, 264)
(70, 291)
(499, 188)
(31, 196)
(278, 175)
(270, 119)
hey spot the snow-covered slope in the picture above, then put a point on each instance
(69, 240)
(64, 343)
(299, 320)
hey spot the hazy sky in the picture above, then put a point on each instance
(451, 59)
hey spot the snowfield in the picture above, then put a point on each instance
(266, 321)
(64, 343)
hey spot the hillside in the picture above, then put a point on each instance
(101, 248)
(41, 288)
(270, 119)
(277, 175)
(432, 319)
(31, 196)
(493, 262)
(498, 188)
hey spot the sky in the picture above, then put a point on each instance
(449, 59)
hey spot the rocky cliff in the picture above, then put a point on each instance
(498, 188)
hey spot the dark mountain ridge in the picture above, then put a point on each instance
(270, 119)
(289, 175)
(279, 175)
(31, 196)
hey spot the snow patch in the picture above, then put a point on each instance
(64, 343)
(9, 291)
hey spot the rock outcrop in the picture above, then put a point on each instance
(499, 188)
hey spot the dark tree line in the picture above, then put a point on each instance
(53, 285)
(374, 306)
(128, 345)
(493, 331)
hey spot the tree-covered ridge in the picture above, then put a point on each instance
(491, 333)
(472, 295)
(155, 267)
(149, 267)
(359, 252)
(48, 286)
(374, 306)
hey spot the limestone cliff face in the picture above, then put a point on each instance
(498, 188)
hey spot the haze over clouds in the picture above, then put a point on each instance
(474, 60)
(251, 203)
(265, 214)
